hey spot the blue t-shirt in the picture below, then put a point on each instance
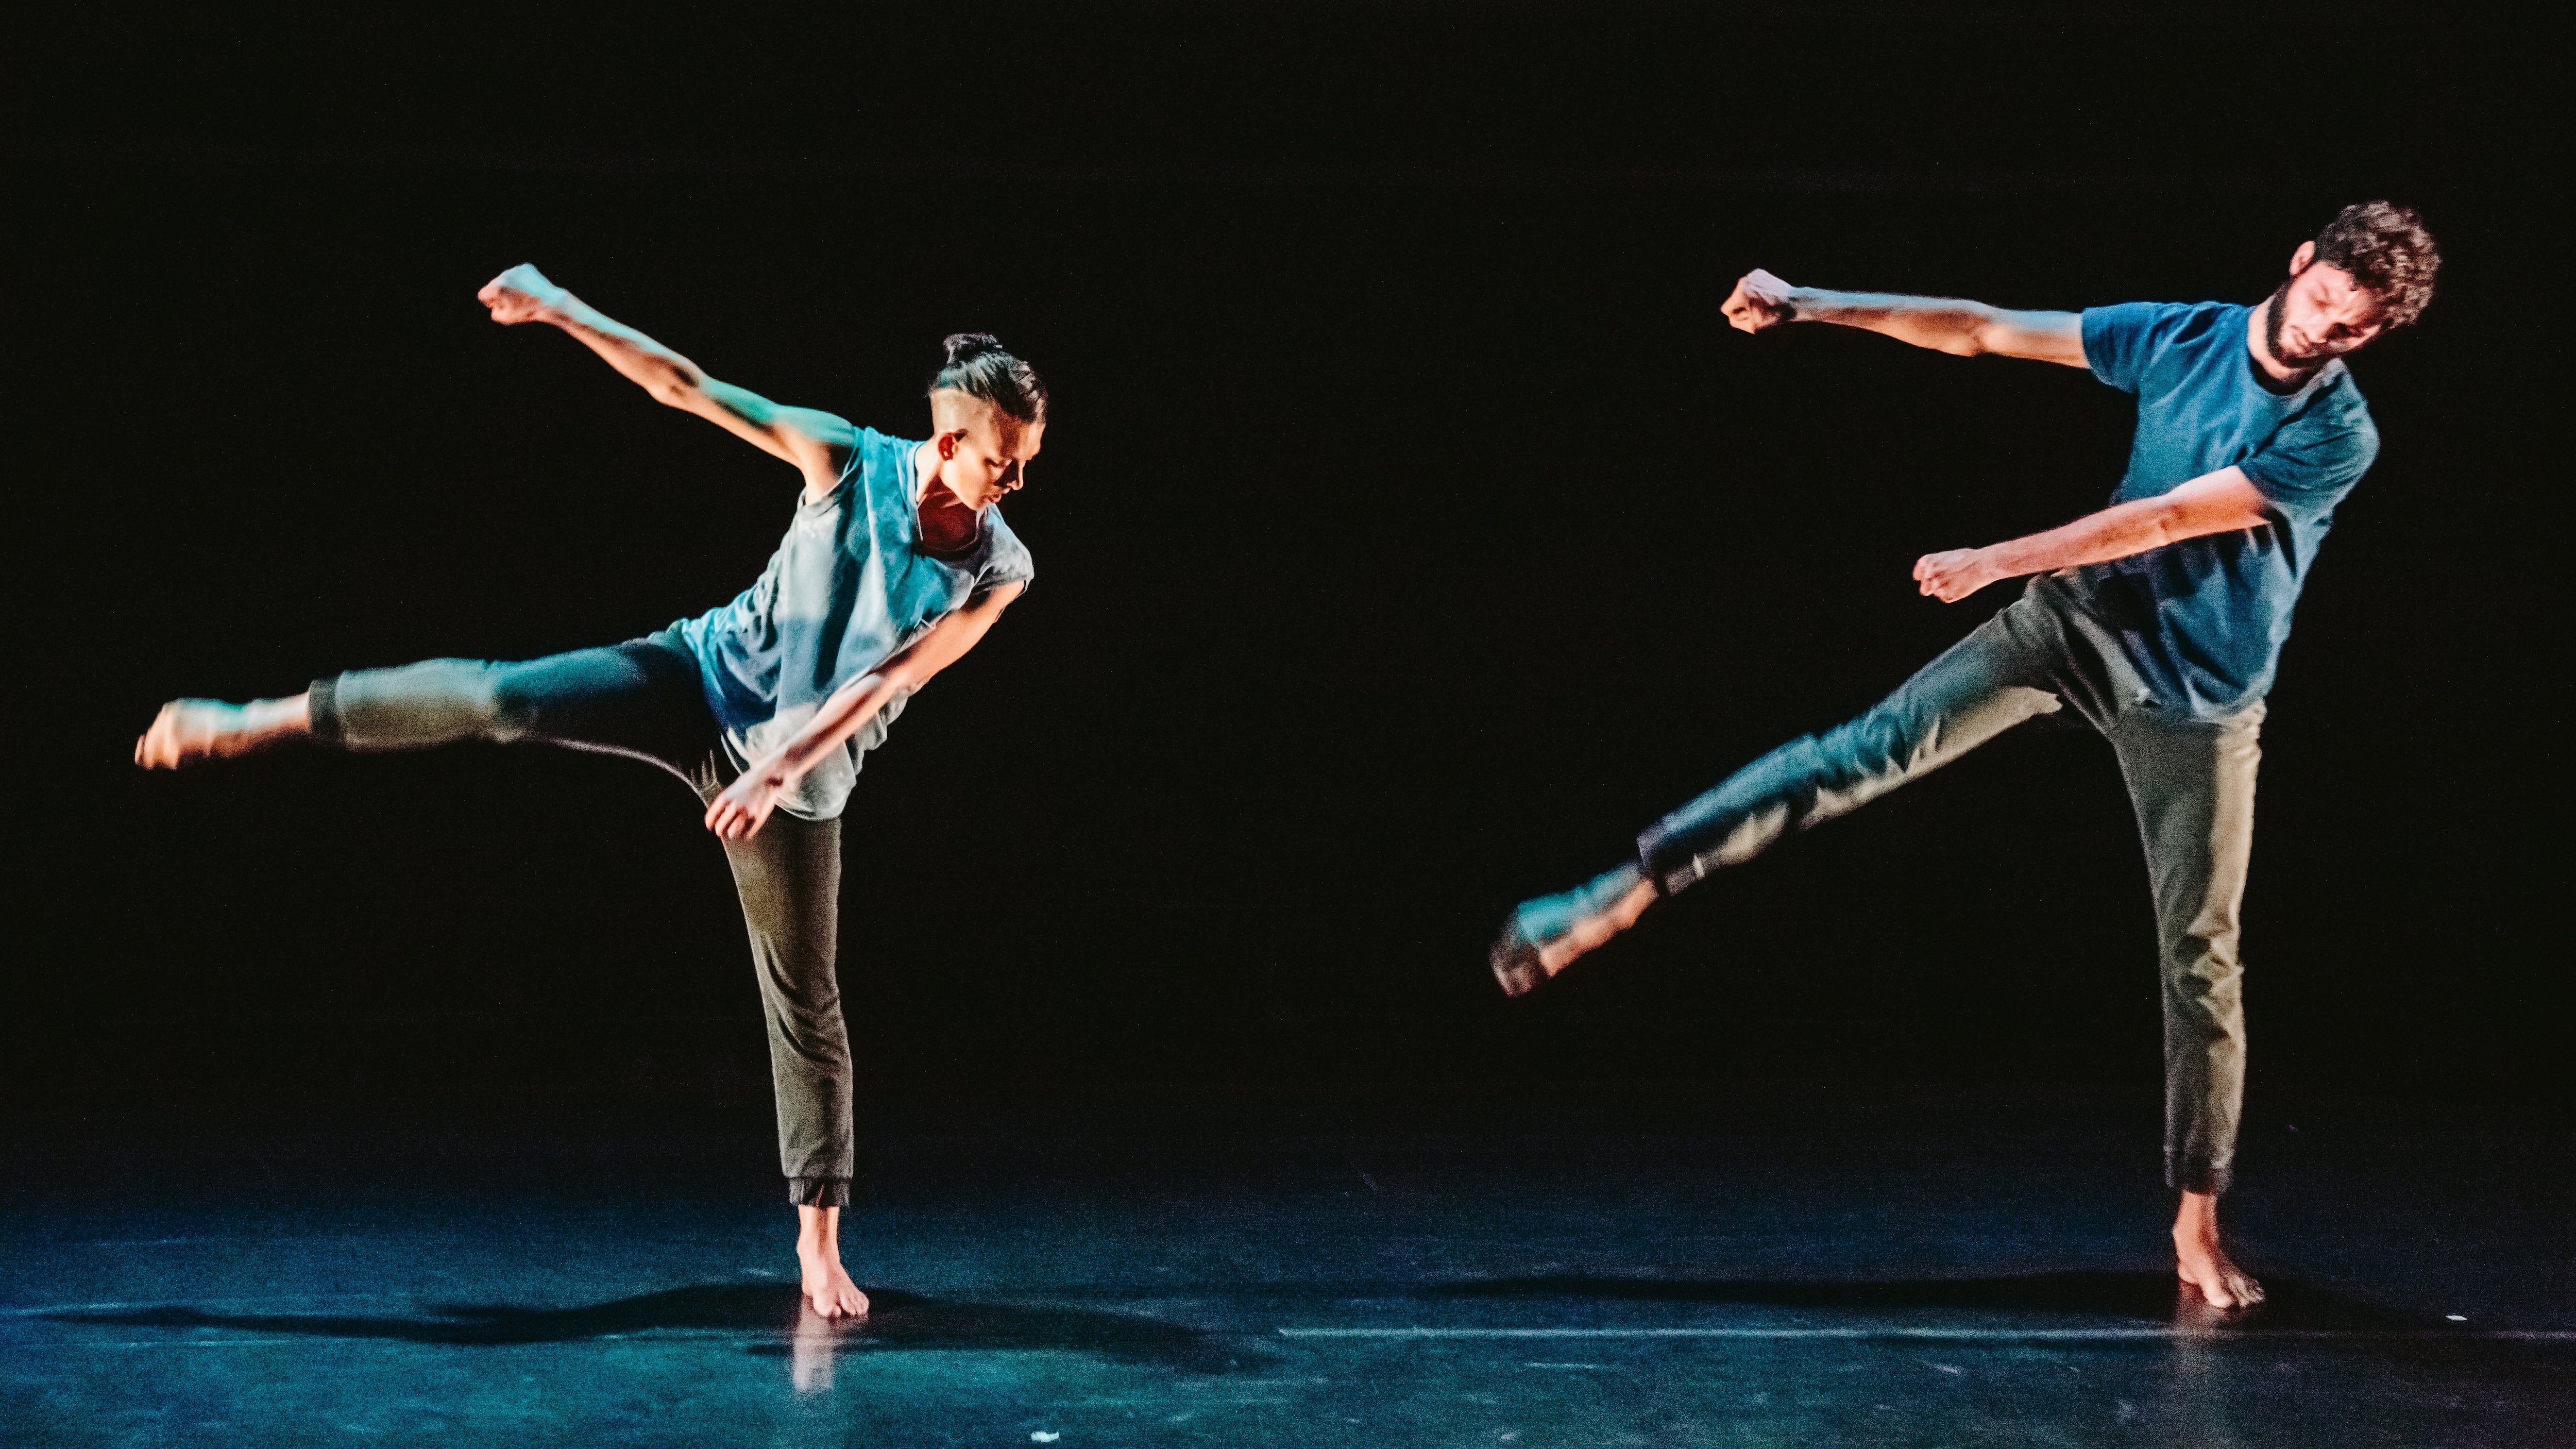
(847, 590)
(2203, 620)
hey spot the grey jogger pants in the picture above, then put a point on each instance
(642, 699)
(2191, 782)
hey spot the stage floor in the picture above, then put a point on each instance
(1246, 1269)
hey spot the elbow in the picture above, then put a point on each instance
(672, 391)
(673, 382)
(2173, 525)
(1983, 334)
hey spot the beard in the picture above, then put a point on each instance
(2272, 330)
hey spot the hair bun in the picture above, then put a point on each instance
(966, 346)
(979, 366)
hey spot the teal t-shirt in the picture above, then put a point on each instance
(2203, 620)
(847, 590)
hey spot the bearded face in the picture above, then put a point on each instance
(2318, 314)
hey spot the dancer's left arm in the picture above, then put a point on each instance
(745, 804)
(2219, 502)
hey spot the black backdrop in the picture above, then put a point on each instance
(1411, 532)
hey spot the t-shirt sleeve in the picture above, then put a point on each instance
(865, 443)
(1009, 563)
(2120, 341)
(2315, 459)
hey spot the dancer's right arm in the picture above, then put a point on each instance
(816, 442)
(1944, 324)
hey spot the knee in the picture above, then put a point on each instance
(2205, 982)
(510, 706)
(1861, 756)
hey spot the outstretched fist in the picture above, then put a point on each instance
(1953, 574)
(521, 294)
(1759, 300)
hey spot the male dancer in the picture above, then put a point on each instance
(2159, 619)
(895, 565)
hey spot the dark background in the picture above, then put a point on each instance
(1411, 532)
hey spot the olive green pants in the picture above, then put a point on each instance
(2190, 780)
(642, 699)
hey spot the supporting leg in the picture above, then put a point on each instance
(789, 875)
(2193, 786)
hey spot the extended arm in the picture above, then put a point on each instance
(1944, 324)
(816, 442)
(2219, 502)
(746, 803)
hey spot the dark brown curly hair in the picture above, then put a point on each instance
(2388, 252)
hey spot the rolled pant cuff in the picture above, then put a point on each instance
(819, 1191)
(323, 710)
(2198, 1177)
(1655, 857)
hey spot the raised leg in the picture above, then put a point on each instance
(640, 699)
(1985, 684)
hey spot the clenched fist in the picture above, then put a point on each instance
(521, 294)
(1759, 300)
(1954, 574)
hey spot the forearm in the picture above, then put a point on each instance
(842, 715)
(809, 439)
(1944, 324)
(668, 376)
(2219, 502)
(746, 802)
(2115, 532)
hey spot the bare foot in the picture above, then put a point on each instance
(1546, 935)
(2203, 1263)
(189, 730)
(828, 1289)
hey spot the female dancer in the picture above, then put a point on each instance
(896, 563)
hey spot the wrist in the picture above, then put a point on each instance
(563, 309)
(1809, 304)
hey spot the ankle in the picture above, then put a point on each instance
(2196, 1222)
(1625, 894)
(279, 718)
(818, 1229)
